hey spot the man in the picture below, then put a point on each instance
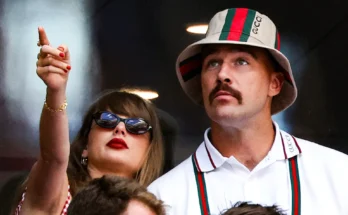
(238, 72)
(111, 195)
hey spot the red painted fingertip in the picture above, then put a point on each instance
(61, 54)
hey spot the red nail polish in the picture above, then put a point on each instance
(61, 54)
(68, 67)
(66, 71)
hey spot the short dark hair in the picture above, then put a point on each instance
(110, 195)
(245, 208)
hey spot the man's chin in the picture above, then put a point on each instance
(223, 113)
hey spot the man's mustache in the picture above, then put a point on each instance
(235, 93)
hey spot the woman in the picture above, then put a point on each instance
(120, 135)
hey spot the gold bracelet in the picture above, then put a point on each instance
(60, 109)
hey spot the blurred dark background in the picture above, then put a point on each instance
(135, 43)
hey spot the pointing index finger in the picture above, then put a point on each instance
(43, 37)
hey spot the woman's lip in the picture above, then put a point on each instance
(117, 143)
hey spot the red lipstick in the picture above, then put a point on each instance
(117, 143)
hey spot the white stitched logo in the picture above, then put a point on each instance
(289, 143)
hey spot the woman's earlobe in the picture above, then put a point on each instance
(84, 157)
(85, 152)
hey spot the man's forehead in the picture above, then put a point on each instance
(214, 48)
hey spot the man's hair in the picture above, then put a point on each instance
(111, 195)
(245, 208)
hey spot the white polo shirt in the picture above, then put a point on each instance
(299, 176)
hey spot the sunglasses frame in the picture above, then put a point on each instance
(120, 119)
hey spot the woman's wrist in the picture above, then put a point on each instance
(55, 100)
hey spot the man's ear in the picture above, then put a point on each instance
(277, 81)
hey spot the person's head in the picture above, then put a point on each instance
(108, 144)
(237, 71)
(115, 196)
(238, 81)
(244, 208)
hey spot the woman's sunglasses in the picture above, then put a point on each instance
(133, 125)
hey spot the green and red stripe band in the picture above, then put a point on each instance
(238, 24)
(201, 187)
(277, 41)
(191, 67)
(295, 186)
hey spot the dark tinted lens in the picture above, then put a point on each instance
(106, 120)
(137, 126)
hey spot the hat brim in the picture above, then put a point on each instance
(193, 89)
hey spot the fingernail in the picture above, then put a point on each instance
(61, 54)
(60, 48)
(66, 71)
(68, 67)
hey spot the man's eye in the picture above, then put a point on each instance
(241, 62)
(212, 64)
